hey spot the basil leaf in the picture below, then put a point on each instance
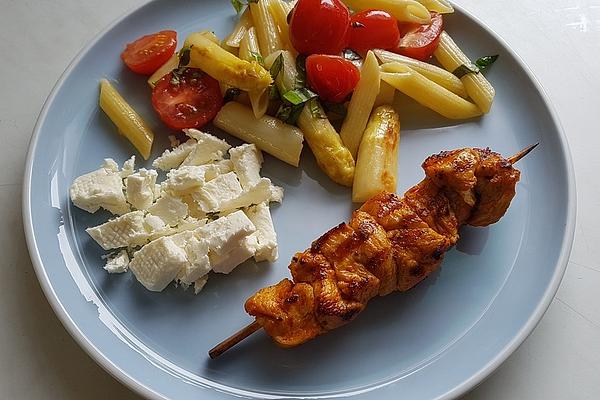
(184, 56)
(464, 69)
(231, 94)
(299, 96)
(351, 55)
(176, 75)
(237, 5)
(276, 67)
(289, 113)
(485, 62)
(335, 108)
(273, 92)
(315, 109)
(257, 57)
(301, 68)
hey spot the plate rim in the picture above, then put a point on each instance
(122, 376)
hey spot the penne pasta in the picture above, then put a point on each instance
(430, 94)
(289, 5)
(279, 13)
(361, 104)
(403, 10)
(250, 51)
(269, 38)
(128, 122)
(439, 6)
(477, 86)
(377, 162)
(167, 67)
(243, 24)
(385, 96)
(436, 74)
(269, 134)
(224, 66)
(288, 77)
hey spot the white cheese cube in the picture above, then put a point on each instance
(117, 263)
(140, 188)
(110, 165)
(158, 263)
(259, 193)
(126, 230)
(224, 233)
(173, 158)
(242, 251)
(170, 209)
(102, 188)
(260, 215)
(247, 160)
(224, 166)
(199, 284)
(196, 250)
(209, 148)
(188, 178)
(218, 191)
(128, 167)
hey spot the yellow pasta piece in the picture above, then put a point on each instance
(267, 133)
(477, 86)
(243, 24)
(128, 122)
(436, 74)
(224, 66)
(279, 12)
(403, 10)
(377, 162)
(430, 94)
(440, 6)
(385, 96)
(167, 67)
(361, 104)
(269, 38)
(249, 51)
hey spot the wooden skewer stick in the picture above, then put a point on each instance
(255, 326)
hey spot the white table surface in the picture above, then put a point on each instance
(559, 39)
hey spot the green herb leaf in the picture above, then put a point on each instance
(184, 56)
(231, 94)
(238, 5)
(485, 62)
(299, 96)
(315, 109)
(301, 68)
(273, 92)
(464, 69)
(289, 113)
(176, 75)
(335, 108)
(276, 67)
(257, 57)
(351, 55)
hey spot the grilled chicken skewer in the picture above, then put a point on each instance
(390, 244)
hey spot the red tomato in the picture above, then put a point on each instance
(420, 41)
(319, 26)
(333, 78)
(373, 29)
(148, 53)
(187, 100)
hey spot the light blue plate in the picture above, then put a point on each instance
(436, 341)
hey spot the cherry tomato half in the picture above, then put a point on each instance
(190, 99)
(373, 29)
(148, 53)
(333, 78)
(319, 26)
(420, 41)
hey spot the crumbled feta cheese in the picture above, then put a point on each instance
(194, 209)
(224, 166)
(128, 167)
(243, 250)
(199, 284)
(170, 209)
(196, 250)
(158, 263)
(224, 233)
(218, 191)
(174, 157)
(102, 188)
(266, 249)
(209, 148)
(189, 178)
(247, 160)
(126, 230)
(259, 193)
(110, 165)
(140, 188)
(117, 263)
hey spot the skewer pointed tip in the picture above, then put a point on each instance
(522, 153)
